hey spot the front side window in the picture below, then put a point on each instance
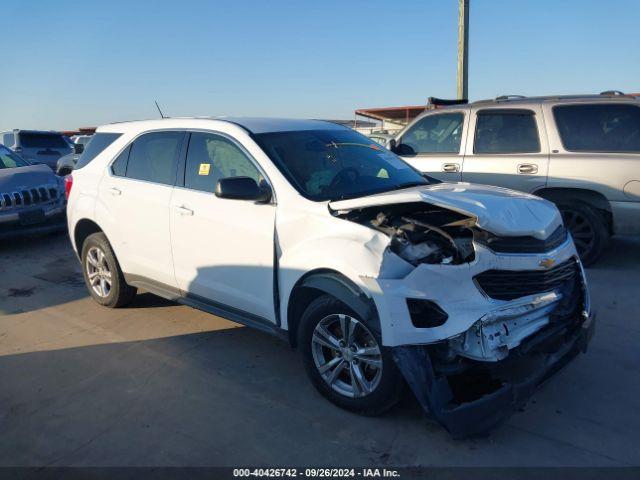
(211, 157)
(154, 157)
(440, 133)
(599, 128)
(97, 146)
(336, 164)
(42, 140)
(8, 159)
(506, 131)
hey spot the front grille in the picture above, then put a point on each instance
(509, 284)
(524, 244)
(28, 196)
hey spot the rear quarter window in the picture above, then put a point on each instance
(602, 128)
(95, 147)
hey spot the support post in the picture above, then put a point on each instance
(463, 49)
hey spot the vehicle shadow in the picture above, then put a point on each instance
(211, 398)
(41, 272)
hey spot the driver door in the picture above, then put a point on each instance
(223, 249)
(434, 144)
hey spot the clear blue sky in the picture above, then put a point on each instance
(75, 63)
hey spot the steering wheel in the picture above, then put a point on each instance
(342, 176)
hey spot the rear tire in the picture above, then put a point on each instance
(102, 273)
(345, 370)
(588, 228)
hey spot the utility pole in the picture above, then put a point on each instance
(463, 49)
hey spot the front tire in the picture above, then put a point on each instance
(102, 273)
(588, 229)
(345, 360)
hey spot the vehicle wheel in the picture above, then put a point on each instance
(588, 229)
(345, 359)
(102, 274)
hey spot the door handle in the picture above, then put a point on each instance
(115, 191)
(184, 211)
(450, 167)
(527, 168)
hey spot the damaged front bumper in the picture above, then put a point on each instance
(471, 400)
(475, 369)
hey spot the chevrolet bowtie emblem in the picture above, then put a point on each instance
(547, 262)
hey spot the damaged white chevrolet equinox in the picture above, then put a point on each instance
(472, 295)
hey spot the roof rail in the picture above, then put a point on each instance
(612, 93)
(504, 98)
(444, 102)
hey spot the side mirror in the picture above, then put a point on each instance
(78, 148)
(393, 145)
(243, 188)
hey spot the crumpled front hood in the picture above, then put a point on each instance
(14, 179)
(498, 210)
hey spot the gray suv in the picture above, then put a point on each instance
(32, 198)
(37, 146)
(582, 152)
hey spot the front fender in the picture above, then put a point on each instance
(350, 258)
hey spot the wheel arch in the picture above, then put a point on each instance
(591, 197)
(82, 230)
(325, 281)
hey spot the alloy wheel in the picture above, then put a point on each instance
(347, 355)
(98, 272)
(581, 231)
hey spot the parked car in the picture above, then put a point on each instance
(66, 164)
(581, 152)
(36, 146)
(32, 199)
(81, 139)
(312, 232)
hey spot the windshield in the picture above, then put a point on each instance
(337, 164)
(8, 159)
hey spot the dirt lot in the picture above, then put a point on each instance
(162, 384)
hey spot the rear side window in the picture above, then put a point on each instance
(119, 165)
(506, 131)
(439, 133)
(42, 140)
(154, 157)
(98, 143)
(599, 128)
(212, 157)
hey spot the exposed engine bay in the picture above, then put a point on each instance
(420, 232)
(474, 340)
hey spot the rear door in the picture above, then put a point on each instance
(507, 147)
(136, 192)
(434, 144)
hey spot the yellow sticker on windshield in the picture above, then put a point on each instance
(204, 169)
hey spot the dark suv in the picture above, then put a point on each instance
(36, 146)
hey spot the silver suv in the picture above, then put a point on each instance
(37, 147)
(582, 152)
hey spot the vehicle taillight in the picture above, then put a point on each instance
(68, 183)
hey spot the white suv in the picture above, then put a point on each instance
(306, 229)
